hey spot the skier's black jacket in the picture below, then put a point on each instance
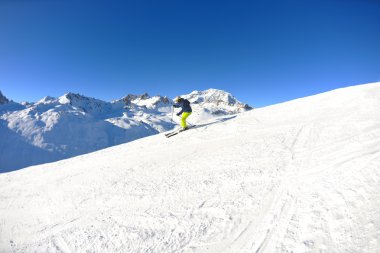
(185, 106)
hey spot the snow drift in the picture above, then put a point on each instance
(301, 176)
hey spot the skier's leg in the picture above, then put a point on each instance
(183, 119)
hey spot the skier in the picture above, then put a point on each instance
(185, 110)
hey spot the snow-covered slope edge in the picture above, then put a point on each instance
(57, 128)
(301, 176)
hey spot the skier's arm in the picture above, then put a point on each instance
(179, 105)
(179, 113)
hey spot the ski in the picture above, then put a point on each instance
(171, 134)
(177, 131)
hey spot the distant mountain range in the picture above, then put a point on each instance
(57, 128)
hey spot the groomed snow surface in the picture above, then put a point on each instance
(302, 176)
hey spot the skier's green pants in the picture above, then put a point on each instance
(183, 119)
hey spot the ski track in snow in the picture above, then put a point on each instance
(302, 176)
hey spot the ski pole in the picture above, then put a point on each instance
(172, 114)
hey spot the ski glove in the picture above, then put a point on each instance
(178, 114)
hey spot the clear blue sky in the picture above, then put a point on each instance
(263, 52)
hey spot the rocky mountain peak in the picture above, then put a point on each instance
(3, 99)
(46, 100)
(217, 98)
(86, 104)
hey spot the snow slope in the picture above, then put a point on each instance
(56, 128)
(302, 176)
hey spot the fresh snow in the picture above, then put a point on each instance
(301, 176)
(57, 128)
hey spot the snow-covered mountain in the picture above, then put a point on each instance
(301, 176)
(56, 128)
(215, 102)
